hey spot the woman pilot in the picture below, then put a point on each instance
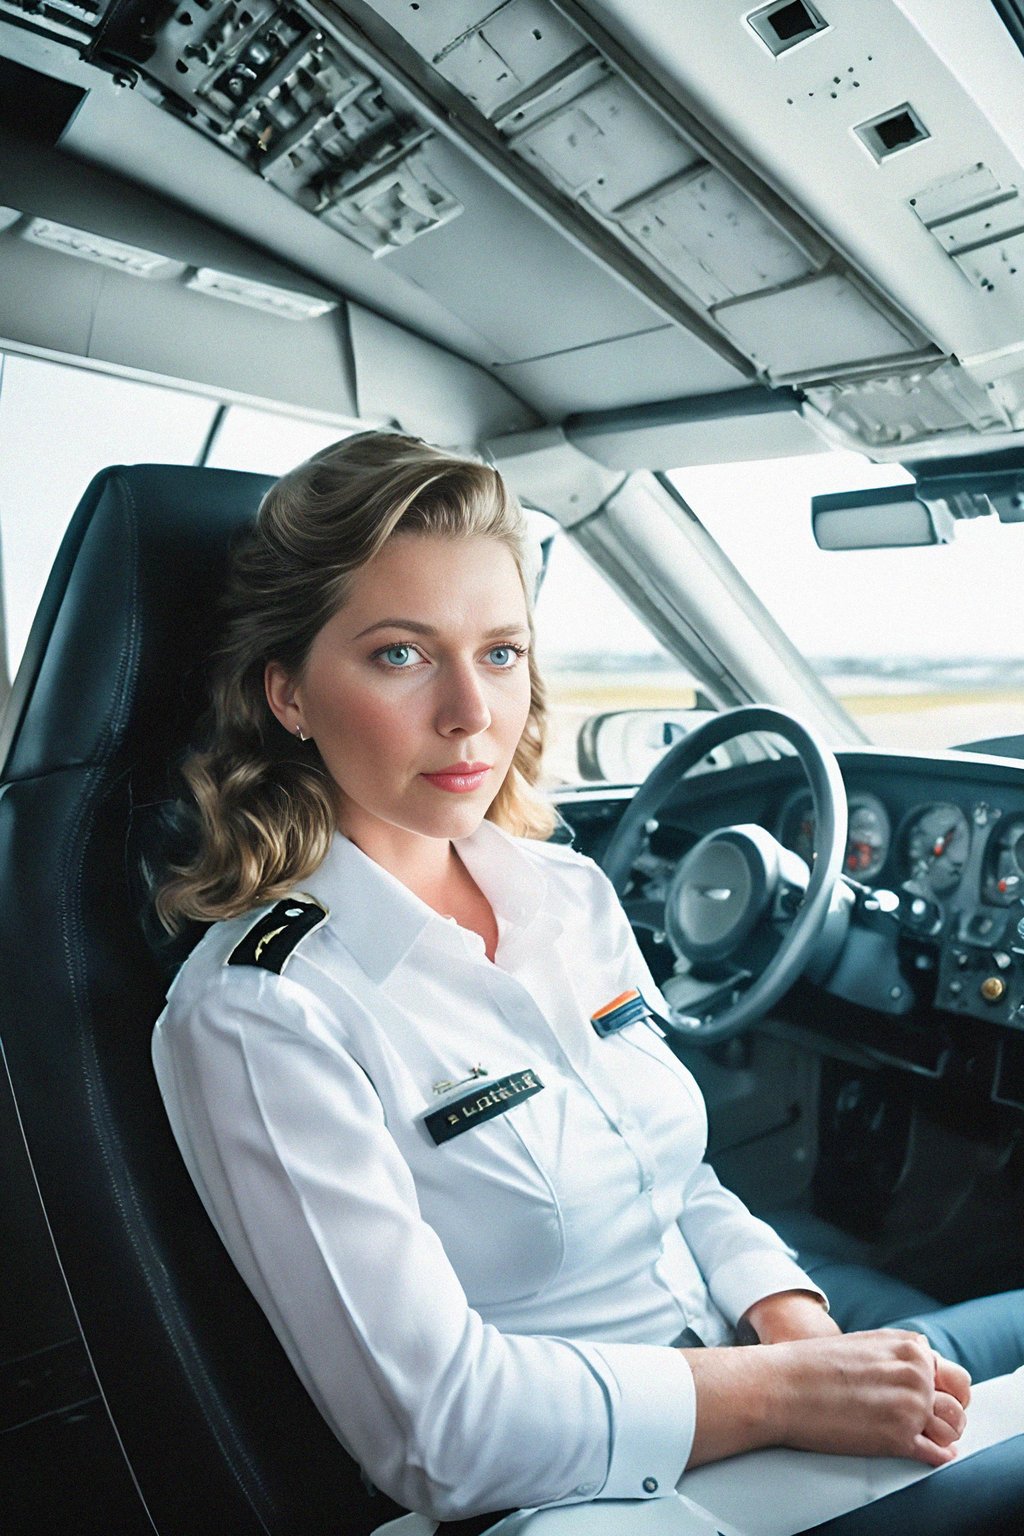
(482, 1230)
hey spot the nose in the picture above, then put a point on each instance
(462, 708)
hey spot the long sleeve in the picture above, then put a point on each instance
(741, 1257)
(287, 1143)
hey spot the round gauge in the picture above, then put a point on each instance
(867, 844)
(1004, 864)
(935, 844)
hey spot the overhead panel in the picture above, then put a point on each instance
(894, 127)
(892, 410)
(791, 338)
(700, 225)
(275, 90)
(596, 135)
(678, 181)
(607, 373)
(76, 20)
(979, 223)
(494, 64)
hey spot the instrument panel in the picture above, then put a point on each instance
(930, 845)
(957, 862)
(868, 838)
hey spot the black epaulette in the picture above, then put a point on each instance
(270, 942)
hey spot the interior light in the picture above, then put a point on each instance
(274, 301)
(109, 253)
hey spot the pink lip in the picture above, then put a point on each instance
(460, 778)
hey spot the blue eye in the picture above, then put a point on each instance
(399, 655)
(504, 656)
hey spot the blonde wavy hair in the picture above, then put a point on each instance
(267, 807)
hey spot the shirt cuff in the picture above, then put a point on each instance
(652, 1409)
(749, 1277)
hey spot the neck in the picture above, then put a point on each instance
(431, 868)
(421, 863)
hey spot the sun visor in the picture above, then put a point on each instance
(732, 426)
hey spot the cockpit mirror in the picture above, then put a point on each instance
(926, 509)
(888, 518)
(622, 746)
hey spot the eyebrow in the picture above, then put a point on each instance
(415, 627)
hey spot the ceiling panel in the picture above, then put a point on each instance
(515, 279)
(657, 365)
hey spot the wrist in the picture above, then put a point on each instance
(739, 1397)
(786, 1315)
(781, 1394)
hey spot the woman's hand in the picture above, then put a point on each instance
(883, 1393)
(789, 1315)
(872, 1394)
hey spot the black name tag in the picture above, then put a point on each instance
(480, 1104)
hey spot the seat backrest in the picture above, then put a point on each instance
(215, 1429)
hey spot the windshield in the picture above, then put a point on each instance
(922, 646)
(598, 659)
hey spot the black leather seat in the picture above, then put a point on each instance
(161, 1382)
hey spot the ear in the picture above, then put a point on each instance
(280, 690)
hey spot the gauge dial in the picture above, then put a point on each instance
(867, 844)
(1004, 865)
(936, 841)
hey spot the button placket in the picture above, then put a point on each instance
(579, 1054)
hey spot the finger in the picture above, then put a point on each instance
(939, 1431)
(931, 1454)
(950, 1409)
(952, 1378)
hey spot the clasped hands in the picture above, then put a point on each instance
(884, 1392)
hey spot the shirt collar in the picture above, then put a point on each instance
(378, 919)
(509, 878)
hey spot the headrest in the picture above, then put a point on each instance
(114, 672)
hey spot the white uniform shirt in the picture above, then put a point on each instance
(482, 1322)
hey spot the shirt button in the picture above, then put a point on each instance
(650, 1485)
